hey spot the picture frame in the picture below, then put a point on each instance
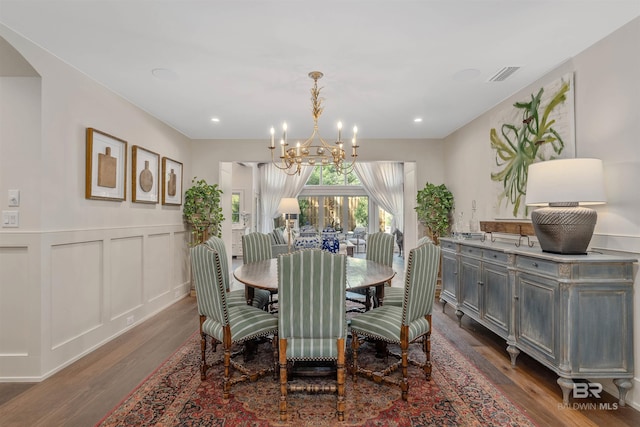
(171, 182)
(106, 165)
(145, 172)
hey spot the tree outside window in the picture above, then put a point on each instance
(235, 208)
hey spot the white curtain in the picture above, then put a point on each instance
(274, 185)
(384, 183)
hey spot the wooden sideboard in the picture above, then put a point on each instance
(572, 313)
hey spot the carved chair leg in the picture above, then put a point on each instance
(226, 383)
(340, 379)
(426, 347)
(274, 347)
(404, 385)
(427, 352)
(355, 345)
(203, 350)
(283, 379)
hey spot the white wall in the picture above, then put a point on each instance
(607, 89)
(76, 272)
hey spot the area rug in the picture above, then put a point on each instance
(457, 395)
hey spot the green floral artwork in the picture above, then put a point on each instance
(517, 145)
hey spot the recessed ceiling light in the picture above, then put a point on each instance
(164, 74)
(215, 119)
(418, 120)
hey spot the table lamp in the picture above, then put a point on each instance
(288, 207)
(563, 225)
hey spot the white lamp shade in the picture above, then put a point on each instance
(565, 181)
(288, 206)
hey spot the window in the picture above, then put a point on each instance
(328, 175)
(332, 199)
(235, 207)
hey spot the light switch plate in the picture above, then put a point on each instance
(10, 219)
(14, 198)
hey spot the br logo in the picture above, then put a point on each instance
(585, 390)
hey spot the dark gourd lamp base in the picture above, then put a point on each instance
(564, 230)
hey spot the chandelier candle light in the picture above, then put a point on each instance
(315, 150)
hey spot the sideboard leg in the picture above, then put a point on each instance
(566, 385)
(623, 384)
(459, 314)
(444, 304)
(513, 353)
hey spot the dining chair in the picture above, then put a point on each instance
(394, 295)
(312, 322)
(380, 250)
(402, 325)
(256, 246)
(236, 296)
(226, 324)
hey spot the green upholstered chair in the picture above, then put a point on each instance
(236, 296)
(312, 322)
(395, 295)
(402, 325)
(226, 324)
(257, 247)
(379, 249)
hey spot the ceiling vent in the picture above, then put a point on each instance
(503, 74)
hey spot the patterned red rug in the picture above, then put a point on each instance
(457, 395)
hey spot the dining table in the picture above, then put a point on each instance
(361, 274)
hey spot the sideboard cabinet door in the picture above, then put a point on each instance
(536, 317)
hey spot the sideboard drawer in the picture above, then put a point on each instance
(471, 251)
(537, 265)
(496, 256)
(448, 246)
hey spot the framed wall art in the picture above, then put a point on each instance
(145, 171)
(538, 127)
(106, 165)
(171, 182)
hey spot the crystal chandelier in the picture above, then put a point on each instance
(315, 150)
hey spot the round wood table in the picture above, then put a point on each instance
(361, 274)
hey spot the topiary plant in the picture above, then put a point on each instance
(434, 206)
(202, 210)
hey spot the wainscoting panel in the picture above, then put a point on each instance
(125, 275)
(76, 290)
(65, 293)
(181, 261)
(157, 271)
(14, 268)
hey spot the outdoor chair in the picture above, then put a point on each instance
(401, 325)
(380, 250)
(312, 324)
(229, 325)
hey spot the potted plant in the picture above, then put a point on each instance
(202, 210)
(434, 207)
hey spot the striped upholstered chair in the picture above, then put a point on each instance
(236, 296)
(402, 325)
(312, 322)
(226, 324)
(379, 249)
(257, 247)
(395, 295)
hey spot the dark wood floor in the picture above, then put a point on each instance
(84, 392)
